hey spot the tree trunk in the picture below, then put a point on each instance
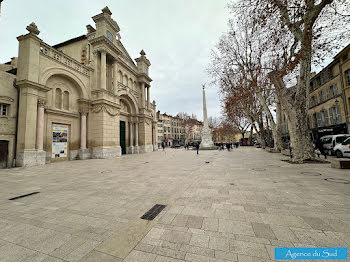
(294, 103)
(299, 137)
(276, 139)
(278, 142)
(301, 144)
(262, 134)
(250, 141)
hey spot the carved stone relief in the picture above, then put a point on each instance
(112, 111)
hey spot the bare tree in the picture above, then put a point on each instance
(297, 33)
(236, 67)
(213, 122)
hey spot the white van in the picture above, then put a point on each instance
(329, 142)
(343, 149)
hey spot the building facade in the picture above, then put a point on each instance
(178, 131)
(174, 130)
(329, 102)
(193, 130)
(8, 113)
(84, 98)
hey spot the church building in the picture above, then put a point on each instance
(83, 98)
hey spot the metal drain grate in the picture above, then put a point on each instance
(106, 172)
(17, 197)
(273, 166)
(259, 169)
(338, 180)
(153, 212)
(311, 173)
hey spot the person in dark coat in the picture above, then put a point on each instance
(163, 145)
(319, 146)
(197, 147)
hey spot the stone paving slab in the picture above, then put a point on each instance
(239, 207)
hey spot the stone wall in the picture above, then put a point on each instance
(8, 96)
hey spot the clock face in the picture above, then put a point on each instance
(109, 36)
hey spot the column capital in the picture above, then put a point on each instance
(41, 102)
(102, 51)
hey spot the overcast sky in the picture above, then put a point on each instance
(177, 36)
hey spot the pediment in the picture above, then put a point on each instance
(7, 99)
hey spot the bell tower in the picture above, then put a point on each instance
(106, 26)
(143, 63)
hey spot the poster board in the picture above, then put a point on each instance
(59, 141)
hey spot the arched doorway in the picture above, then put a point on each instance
(128, 127)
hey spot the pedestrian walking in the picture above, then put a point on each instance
(197, 147)
(228, 147)
(319, 146)
(163, 145)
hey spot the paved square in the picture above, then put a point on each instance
(238, 207)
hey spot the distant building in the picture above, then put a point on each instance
(174, 130)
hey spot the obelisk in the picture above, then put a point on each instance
(207, 141)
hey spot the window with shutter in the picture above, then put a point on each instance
(347, 76)
(3, 109)
(319, 119)
(314, 120)
(326, 122)
(329, 92)
(338, 115)
(334, 89)
(331, 116)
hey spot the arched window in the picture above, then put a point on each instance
(135, 85)
(130, 83)
(125, 82)
(58, 98)
(66, 100)
(120, 77)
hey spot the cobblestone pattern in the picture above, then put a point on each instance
(223, 211)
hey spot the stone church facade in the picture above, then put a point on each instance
(84, 98)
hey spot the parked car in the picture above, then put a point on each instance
(343, 149)
(329, 142)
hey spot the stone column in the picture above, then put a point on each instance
(155, 138)
(40, 126)
(132, 137)
(83, 131)
(136, 137)
(103, 69)
(115, 75)
(96, 65)
(143, 95)
(148, 98)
